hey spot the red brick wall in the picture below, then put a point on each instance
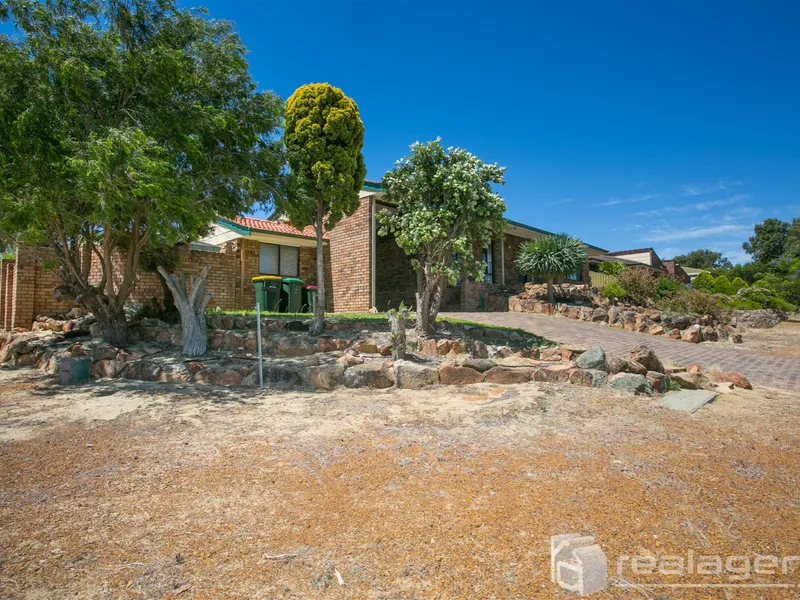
(351, 260)
(7, 268)
(395, 279)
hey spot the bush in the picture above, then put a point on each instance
(639, 285)
(722, 285)
(614, 267)
(704, 281)
(667, 286)
(613, 291)
(692, 301)
(761, 297)
(737, 284)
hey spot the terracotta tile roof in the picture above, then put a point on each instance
(275, 227)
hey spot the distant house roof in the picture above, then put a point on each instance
(245, 225)
(655, 261)
(628, 263)
(675, 269)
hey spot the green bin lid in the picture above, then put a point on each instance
(266, 278)
(292, 280)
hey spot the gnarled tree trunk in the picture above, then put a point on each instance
(550, 295)
(397, 319)
(192, 306)
(318, 324)
(429, 301)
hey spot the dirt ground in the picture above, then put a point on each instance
(133, 490)
(781, 340)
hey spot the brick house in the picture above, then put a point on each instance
(644, 256)
(363, 268)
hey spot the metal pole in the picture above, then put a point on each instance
(260, 360)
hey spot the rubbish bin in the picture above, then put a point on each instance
(268, 292)
(290, 295)
(309, 298)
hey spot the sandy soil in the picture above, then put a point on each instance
(130, 490)
(781, 340)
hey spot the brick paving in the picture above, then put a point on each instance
(763, 369)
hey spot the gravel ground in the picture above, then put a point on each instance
(132, 490)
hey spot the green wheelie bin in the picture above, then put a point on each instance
(290, 295)
(309, 297)
(268, 292)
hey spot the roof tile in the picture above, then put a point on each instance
(275, 227)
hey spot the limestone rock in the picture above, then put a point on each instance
(553, 374)
(298, 346)
(508, 375)
(325, 377)
(369, 375)
(411, 375)
(455, 375)
(479, 364)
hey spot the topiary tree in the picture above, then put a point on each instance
(722, 285)
(324, 136)
(737, 284)
(550, 257)
(126, 125)
(704, 281)
(445, 206)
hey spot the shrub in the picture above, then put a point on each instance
(667, 286)
(639, 285)
(761, 297)
(722, 285)
(737, 284)
(704, 281)
(692, 301)
(613, 291)
(614, 267)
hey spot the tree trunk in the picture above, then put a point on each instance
(192, 307)
(318, 324)
(429, 302)
(114, 327)
(550, 296)
(397, 318)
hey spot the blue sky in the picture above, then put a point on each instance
(671, 124)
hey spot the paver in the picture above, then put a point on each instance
(762, 369)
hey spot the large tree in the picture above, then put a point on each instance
(126, 124)
(768, 241)
(445, 206)
(703, 259)
(551, 256)
(324, 137)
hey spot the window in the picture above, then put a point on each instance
(486, 258)
(274, 259)
(576, 276)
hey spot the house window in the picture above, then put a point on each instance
(576, 276)
(274, 259)
(486, 258)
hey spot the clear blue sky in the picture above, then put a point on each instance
(671, 123)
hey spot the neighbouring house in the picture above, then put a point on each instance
(363, 269)
(676, 271)
(692, 272)
(644, 256)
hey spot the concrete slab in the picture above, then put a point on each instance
(688, 400)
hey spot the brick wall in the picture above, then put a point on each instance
(351, 260)
(395, 279)
(7, 269)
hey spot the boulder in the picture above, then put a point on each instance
(599, 315)
(73, 370)
(690, 381)
(626, 365)
(411, 375)
(459, 375)
(694, 368)
(478, 349)
(298, 346)
(693, 334)
(479, 364)
(297, 326)
(214, 376)
(508, 375)
(656, 330)
(588, 377)
(428, 347)
(531, 352)
(142, 370)
(103, 352)
(175, 373)
(367, 346)
(613, 315)
(631, 382)
(571, 351)
(738, 380)
(369, 375)
(593, 358)
(325, 377)
(553, 374)
(550, 354)
(283, 374)
(647, 358)
(658, 381)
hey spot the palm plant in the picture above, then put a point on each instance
(550, 257)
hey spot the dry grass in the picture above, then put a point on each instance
(436, 494)
(781, 340)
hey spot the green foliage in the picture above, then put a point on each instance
(737, 284)
(704, 281)
(673, 386)
(612, 267)
(613, 291)
(551, 256)
(692, 301)
(324, 137)
(639, 284)
(722, 285)
(126, 124)
(768, 241)
(763, 297)
(445, 207)
(667, 286)
(703, 259)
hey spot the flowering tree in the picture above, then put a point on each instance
(445, 205)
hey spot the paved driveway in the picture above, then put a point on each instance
(763, 369)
